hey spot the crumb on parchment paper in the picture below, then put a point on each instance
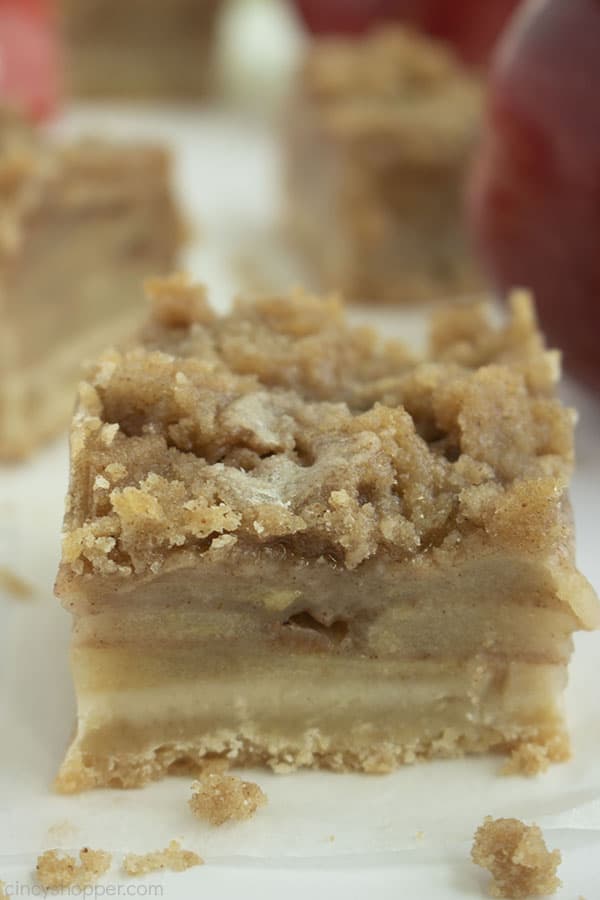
(56, 870)
(172, 857)
(15, 585)
(517, 857)
(221, 798)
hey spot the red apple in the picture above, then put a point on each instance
(28, 56)
(471, 25)
(535, 191)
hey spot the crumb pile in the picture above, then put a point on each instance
(225, 798)
(517, 857)
(56, 870)
(172, 857)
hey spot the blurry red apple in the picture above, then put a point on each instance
(471, 25)
(28, 56)
(535, 191)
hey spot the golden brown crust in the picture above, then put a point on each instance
(280, 426)
(221, 798)
(246, 747)
(517, 857)
(56, 870)
(172, 857)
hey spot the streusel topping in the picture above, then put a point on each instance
(282, 427)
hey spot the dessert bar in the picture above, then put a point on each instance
(378, 143)
(291, 542)
(80, 226)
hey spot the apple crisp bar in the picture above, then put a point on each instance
(377, 147)
(291, 542)
(139, 49)
(80, 225)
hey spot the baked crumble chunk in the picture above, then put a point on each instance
(56, 870)
(288, 541)
(172, 857)
(517, 857)
(377, 149)
(81, 224)
(140, 49)
(222, 798)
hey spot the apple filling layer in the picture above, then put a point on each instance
(379, 670)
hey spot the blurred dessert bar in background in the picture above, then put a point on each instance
(378, 143)
(290, 542)
(144, 49)
(80, 226)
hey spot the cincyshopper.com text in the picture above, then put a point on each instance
(18, 889)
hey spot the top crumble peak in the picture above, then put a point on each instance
(354, 87)
(390, 61)
(176, 302)
(282, 427)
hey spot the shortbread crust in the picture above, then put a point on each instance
(290, 542)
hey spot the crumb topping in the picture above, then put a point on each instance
(283, 428)
(219, 798)
(56, 870)
(172, 857)
(517, 857)
(395, 82)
